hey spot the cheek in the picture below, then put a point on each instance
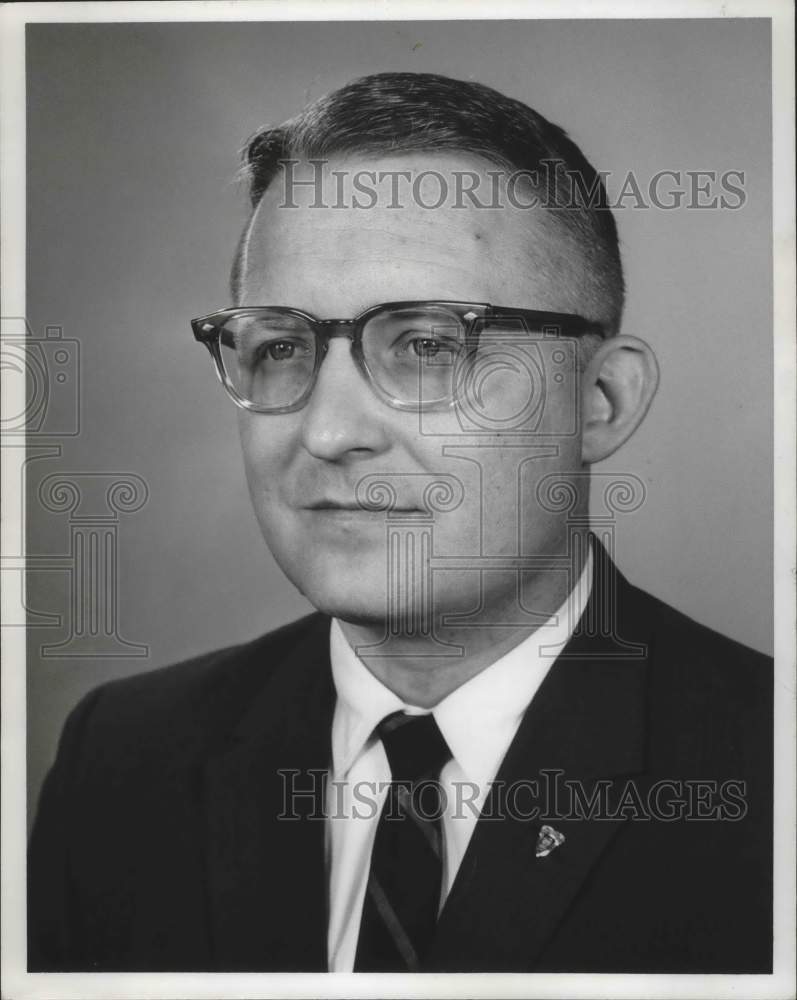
(501, 512)
(266, 448)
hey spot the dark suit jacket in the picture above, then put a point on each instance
(157, 844)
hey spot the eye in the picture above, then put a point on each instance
(417, 344)
(425, 347)
(280, 350)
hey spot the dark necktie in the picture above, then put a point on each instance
(402, 897)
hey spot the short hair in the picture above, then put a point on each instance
(417, 112)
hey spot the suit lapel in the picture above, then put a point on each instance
(587, 721)
(266, 872)
(267, 876)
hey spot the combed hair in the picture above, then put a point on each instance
(413, 112)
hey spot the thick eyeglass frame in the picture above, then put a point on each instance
(208, 331)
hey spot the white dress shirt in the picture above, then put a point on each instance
(478, 720)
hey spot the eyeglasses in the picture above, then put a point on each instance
(415, 355)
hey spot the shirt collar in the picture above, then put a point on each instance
(363, 701)
(479, 719)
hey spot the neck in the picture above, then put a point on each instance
(422, 671)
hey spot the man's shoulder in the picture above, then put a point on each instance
(193, 704)
(709, 696)
(246, 662)
(673, 641)
(682, 642)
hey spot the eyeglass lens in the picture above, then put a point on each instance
(411, 353)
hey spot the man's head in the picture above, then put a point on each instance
(392, 113)
(323, 248)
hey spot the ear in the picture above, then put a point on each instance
(618, 387)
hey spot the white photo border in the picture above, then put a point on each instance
(18, 984)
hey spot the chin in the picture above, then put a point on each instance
(361, 611)
(357, 600)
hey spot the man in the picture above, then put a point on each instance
(487, 751)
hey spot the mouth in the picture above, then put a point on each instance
(350, 507)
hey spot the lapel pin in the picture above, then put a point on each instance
(547, 841)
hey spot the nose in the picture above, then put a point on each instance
(343, 417)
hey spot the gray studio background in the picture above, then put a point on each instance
(133, 213)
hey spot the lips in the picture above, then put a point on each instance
(353, 507)
(325, 504)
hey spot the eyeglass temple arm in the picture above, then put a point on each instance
(567, 324)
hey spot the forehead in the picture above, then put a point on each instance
(360, 231)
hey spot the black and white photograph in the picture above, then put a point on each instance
(398, 489)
